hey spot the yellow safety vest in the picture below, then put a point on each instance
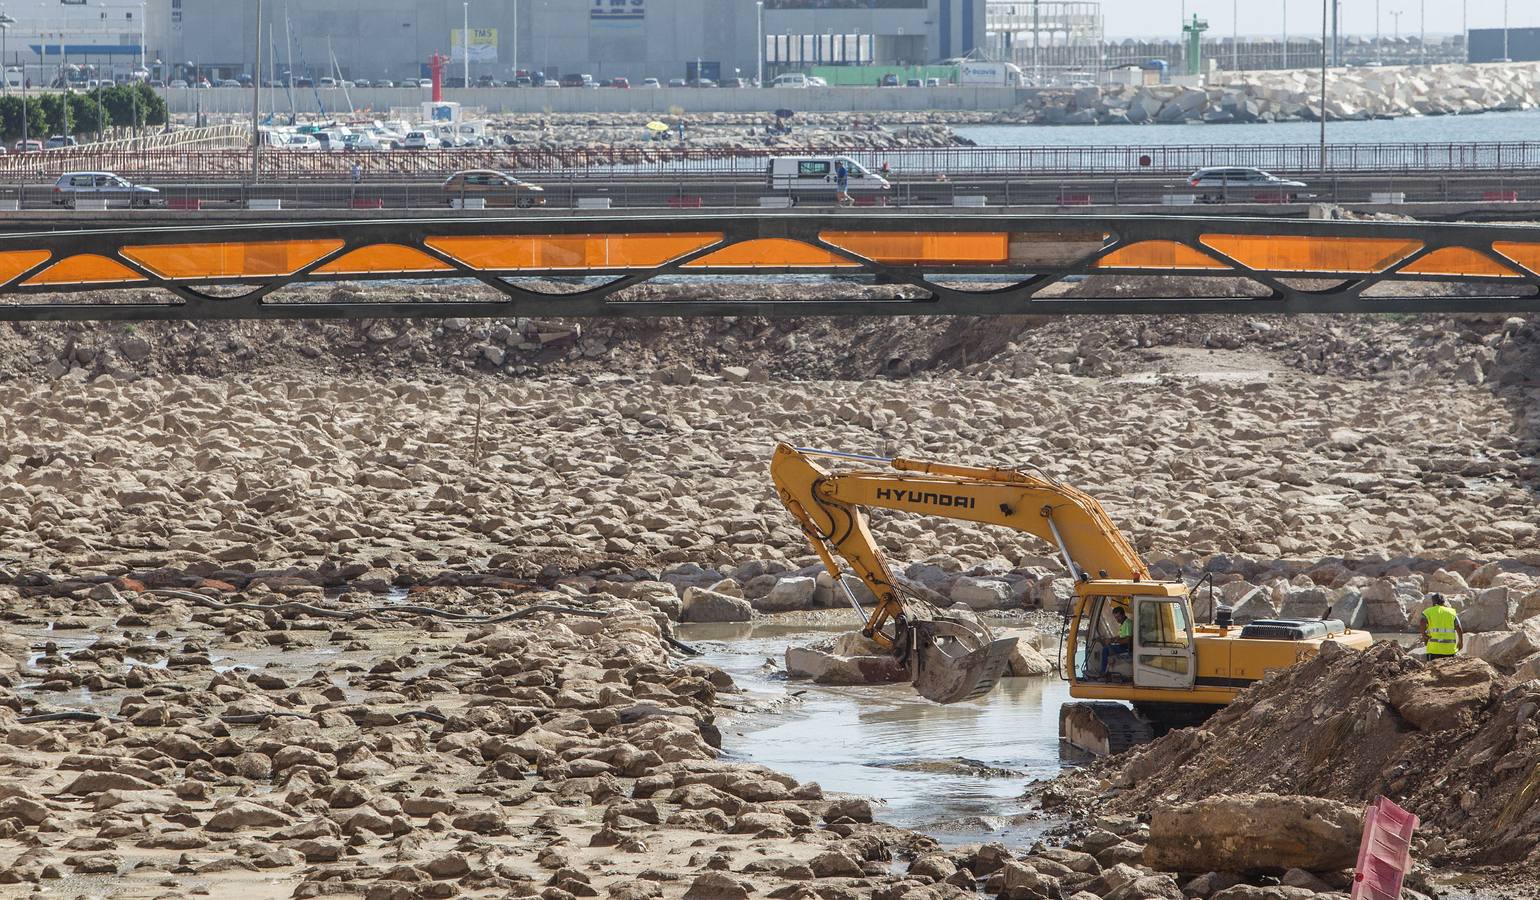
(1443, 640)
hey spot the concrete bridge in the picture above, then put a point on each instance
(947, 263)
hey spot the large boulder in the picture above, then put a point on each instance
(981, 593)
(1505, 649)
(1438, 695)
(1390, 604)
(793, 593)
(1490, 610)
(1254, 833)
(702, 605)
(848, 659)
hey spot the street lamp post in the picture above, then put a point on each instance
(1325, 19)
(1422, 30)
(1379, 35)
(1285, 34)
(5, 82)
(142, 39)
(1235, 35)
(759, 41)
(515, 43)
(256, 100)
(465, 42)
(1505, 29)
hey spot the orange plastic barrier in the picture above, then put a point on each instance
(578, 251)
(1301, 253)
(1158, 255)
(257, 259)
(924, 248)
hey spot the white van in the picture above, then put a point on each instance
(791, 80)
(805, 176)
(14, 79)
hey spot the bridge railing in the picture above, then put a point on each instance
(1151, 158)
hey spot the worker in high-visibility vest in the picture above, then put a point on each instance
(1442, 633)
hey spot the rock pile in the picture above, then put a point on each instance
(1454, 741)
(1294, 95)
(392, 755)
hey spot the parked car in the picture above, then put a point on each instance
(61, 140)
(296, 142)
(384, 83)
(229, 83)
(327, 82)
(791, 80)
(914, 82)
(889, 80)
(735, 83)
(178, 83)
(1242, 184)
(573, 80)
(304, 82)
(497, 188)
(454, 81)
(677, 83)
(357, 142)
(620, 81)
(425, 82)
(419, 140)
(74, 186)
(362, 82)
(651, 83)
(702, 83)
(31, 146)
(486, 81)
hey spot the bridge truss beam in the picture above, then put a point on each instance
(1293, 266)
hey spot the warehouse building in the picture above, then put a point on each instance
(604, 38)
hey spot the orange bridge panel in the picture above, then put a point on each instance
(379, 259)
(15, 262)
(86, 268)
(1158, 255)
(575, 251)
(925, 248)
(1525, 254)
(236, 260)
(1459, 261)
(1310, 253)
(771, 253)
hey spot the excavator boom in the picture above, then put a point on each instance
(950, 657)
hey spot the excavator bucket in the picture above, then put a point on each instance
(952, 659)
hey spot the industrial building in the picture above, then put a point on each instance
(665, 39)
(1493, 44)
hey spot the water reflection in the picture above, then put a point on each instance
(849, 739)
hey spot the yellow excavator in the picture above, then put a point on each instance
(1130, 644)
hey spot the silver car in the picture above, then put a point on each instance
(1243, 185)
(73, 186)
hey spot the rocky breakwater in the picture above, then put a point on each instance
(724, 131)
(338, 747)
(1295, 95)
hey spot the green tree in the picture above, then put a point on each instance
(86, 115)
(11, 123)
(56, 114)
(152, 106)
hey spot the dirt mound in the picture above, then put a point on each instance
(1452, 741)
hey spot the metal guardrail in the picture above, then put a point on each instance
(926, 260)
(1151, 158)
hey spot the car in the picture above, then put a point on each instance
(26, 146)
(243, 80)
(620, 81)
(933, 82)
(178, 83)
(60, 140)
(229, 83)
(297, 142)
(573, 80)
(889, 80)
(791, 80)
(677, 83)
(734, 83)
(74, 186)
(1242, 184)
(454, 81)
(304, 82)
(384, 83)
(702, 83)
(914, 82)
(651, 83)
(362, 82)
(419, 140)
(487, 81)
(497, 188)
(357, 141)
(327, 82)
(522, 81)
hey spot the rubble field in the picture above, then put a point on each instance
(386, 608)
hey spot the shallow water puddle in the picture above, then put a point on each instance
(924, 766)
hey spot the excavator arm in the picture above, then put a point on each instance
(951, 658)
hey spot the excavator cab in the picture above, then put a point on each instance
(1133, 633)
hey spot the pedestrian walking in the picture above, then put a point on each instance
(842, 184)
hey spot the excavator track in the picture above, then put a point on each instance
(1103, 727)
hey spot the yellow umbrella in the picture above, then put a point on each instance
(656, 126)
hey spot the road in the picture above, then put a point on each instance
(1492, 193)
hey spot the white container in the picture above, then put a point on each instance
(970, 200)
(10, 205)
(1178, 199)
(264, 203)
(94, 204)
(593, 203)
(775, 202)
(469, 203)
(1387, 197)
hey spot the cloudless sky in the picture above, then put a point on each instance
(1159, 18)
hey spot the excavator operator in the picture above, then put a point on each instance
(1123, 644)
